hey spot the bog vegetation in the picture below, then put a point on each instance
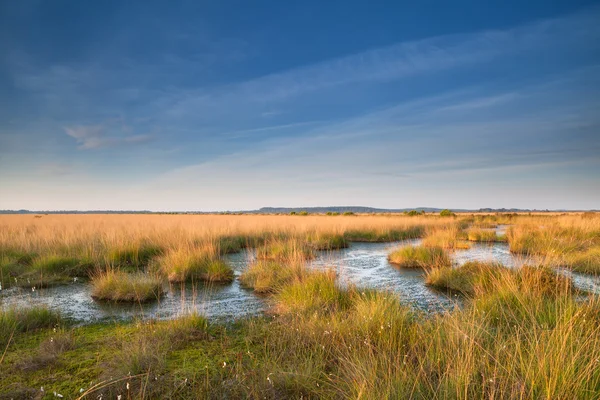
(521, 332)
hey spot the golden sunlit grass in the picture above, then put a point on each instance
(195, 263)
(520, 333)
(419, 257)
(446, 238)
(480, 278)
(270, 276)
(482, 235)
(119, 286)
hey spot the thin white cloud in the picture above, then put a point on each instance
(399, 61)
(95, 137)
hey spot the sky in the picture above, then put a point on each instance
(236, 105)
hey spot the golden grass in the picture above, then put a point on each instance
(520, 334)
(419, 257)
(119, 286)
(446, 238)
(190, 263)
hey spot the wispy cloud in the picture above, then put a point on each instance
(96, 137)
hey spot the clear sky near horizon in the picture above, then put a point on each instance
(197, 105)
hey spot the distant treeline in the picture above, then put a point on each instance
(297, 210)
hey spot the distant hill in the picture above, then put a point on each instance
(287, 210)
(342, 209)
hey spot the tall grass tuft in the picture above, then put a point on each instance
(184, 264)
(120, 286)
(25, 320)
(270, 276)
(447, 238)
(419, 257)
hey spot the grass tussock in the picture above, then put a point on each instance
(520, 334)
(185, 264)
(270, 276)
(120, 286)
(447, 238)
(285, 250)
(483, 235)
(23, 320)
(132, 256)
(389, 235)
(481, 278)
(326, 241)
(317, 292)
(419, 257)
(587, 261)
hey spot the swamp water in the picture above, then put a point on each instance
(362, 264)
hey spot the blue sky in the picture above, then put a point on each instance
(225, 105)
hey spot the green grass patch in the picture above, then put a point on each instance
(26, 320)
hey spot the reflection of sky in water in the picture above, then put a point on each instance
(362, 264)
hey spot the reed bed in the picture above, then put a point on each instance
(519, 333)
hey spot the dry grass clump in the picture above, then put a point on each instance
(120, 286)
(327, 241)
(132, 256)
(509, 342)
(587, 261)
(49, 351)
(467, 279)
(419, 257)
(446, 238)
(482, 235)
(384, 235)
(318, 292)
(270, 276)
(202, 263)
(481, 278)
(285, 250)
